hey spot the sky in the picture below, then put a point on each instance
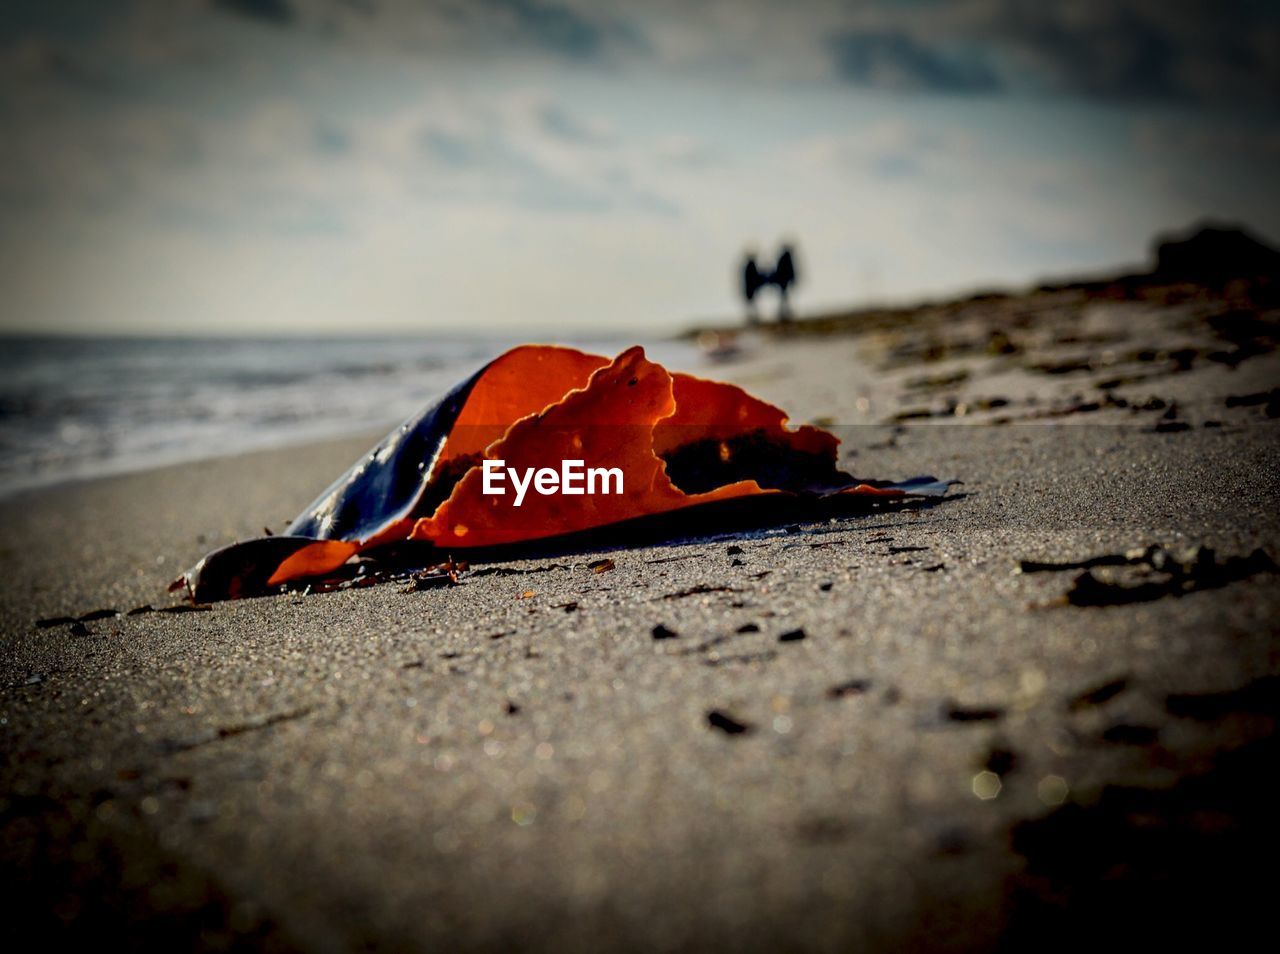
(545, 166)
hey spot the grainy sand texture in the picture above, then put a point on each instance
(870, 733)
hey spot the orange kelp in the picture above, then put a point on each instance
(680, 442)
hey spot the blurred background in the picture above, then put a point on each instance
(501, 170)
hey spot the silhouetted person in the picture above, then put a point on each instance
(784, 276)
(754, 278)
(752, 281)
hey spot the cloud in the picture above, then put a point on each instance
(455, 151)
(686, 153)
(555, 28)
(1146, 49)
(893, 150)
(275, 12)
(894, 59)
(527, 149)
(1126, 50)
(36, 58)
(563, 125)
(457, 29)
(532, 155)
(331, 139)
(1196, 52)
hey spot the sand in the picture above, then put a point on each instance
(947, 755)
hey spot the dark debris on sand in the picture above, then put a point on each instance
(1160, 573)
(718, 719)
(1151, 573)
(1099, 695)
(958, 713)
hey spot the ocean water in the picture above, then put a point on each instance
(86, 407)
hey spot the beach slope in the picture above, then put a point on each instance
(872, 732)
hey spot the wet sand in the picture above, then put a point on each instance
(867, 733)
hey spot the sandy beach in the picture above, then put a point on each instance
(874, 732)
